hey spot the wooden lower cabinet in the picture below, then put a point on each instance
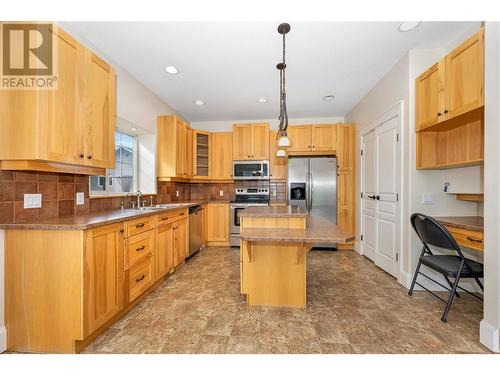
(181, 241)
(103, 278)
(164, 255)
(63, 287)
(217, 224)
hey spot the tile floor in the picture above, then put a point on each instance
(353, 307)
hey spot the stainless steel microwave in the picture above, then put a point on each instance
(251, 170)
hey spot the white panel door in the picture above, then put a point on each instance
(387, 195)
(369, 189)
(380, 186)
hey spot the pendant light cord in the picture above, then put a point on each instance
(283, 117)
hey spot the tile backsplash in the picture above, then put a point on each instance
(59, 190)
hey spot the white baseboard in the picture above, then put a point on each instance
(357, 248)
(489, 336)
(3, 339)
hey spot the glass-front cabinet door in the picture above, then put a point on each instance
(201, 146)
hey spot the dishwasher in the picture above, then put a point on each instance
(195, 229)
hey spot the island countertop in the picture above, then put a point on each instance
(315, 230)
(274, 211)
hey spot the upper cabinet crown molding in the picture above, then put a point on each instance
(69, 129)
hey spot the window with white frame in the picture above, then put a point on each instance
(122, 178)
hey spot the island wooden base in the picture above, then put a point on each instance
(274, 273)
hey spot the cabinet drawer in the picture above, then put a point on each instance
(139, 246)
(171, 216)
(466, 237)
(140, 277)
(139, 225)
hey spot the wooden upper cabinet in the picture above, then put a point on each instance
(465, 76)
(104, 275)
(300, 138)
(189, 153)
(429, 93)
(221, 156)
(324, 137)
(65, 106)
(453, 86)
(201, 154)
(242, 141)
(260, 141)
(100, 112)
(180, 147)
(346, 146)
(278, 166)
(69, 129)
(250, 141)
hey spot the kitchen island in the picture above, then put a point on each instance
(274, 243)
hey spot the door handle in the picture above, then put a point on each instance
(377, 197)
(474, 240)
(371, 196)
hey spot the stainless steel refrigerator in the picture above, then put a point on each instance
(312, 184)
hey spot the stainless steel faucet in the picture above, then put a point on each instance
(138, 197)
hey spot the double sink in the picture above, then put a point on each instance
(159, 207)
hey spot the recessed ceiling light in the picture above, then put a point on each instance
(262, 100)
(171, 69)
(408, 26)
(133, 129)
(199, 102)
(328, 98)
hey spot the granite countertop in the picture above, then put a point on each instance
(93, 220)
(274, 211)
(318, 230)
(464, 222)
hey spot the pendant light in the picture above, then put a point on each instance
(283, 140)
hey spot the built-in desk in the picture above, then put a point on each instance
(467, 230)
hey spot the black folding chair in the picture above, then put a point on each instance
(457, 267)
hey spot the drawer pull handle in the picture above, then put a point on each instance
(140, 279)
(164, 218)
(141, 248)
(474, 240)
(140, 225)
(181, 214)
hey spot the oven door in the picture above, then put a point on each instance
(235, 217)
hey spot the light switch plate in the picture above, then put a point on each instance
(221, 193)
(32, 200)
(177, 193)
(427, 198)
(80, 199)
(274, 193)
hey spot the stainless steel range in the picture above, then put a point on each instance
(245, 197)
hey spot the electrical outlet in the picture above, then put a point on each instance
(221, 193)
(177, 193)
(80, 199)
(427, 198)
(274, 194)
(32, 200)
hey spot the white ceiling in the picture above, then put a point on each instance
(230, 65)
